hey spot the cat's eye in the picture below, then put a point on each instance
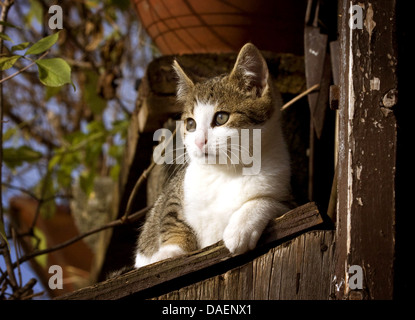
(221, 118)
(190, 124)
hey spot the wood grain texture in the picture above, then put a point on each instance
(367, 150)
(137, 281)
(298, 270)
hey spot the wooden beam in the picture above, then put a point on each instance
(367, 149)
(298, 270)
(292, 223)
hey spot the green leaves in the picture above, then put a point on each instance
(43, 44)
(5, 37)
(40, 242)
(86, 153)
(8, 24)
(8, 62)
(54, 72)
(15, 157)
(20, 46)
(90, 95)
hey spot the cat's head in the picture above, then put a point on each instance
(215, 110)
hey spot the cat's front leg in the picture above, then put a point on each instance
(248, 222)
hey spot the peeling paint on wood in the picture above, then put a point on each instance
(367, 159)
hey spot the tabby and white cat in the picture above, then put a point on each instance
(204, 202)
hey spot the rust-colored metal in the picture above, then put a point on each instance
(214, 26)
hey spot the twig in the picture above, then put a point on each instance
(25, 127)
(30, 296)
(24, 291)
(140, 181)
(133, 217)
(295, 99)
(79, 63)
(9, 266)
(19, 271)
(24, 68)
(23, 190)
(41, 201)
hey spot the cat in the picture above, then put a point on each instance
(206, 201)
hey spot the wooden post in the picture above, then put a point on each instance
(365, 235)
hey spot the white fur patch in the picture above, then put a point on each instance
(203, 115)
(141, 260)
(167, 251)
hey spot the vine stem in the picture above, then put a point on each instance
(23, 69)
(298, 97)
(140, 181)
(133, 217)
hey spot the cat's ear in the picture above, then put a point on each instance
(251, 70)
(184, 84)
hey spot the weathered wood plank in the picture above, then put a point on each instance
(276, 274)
(367, 150)
(288, 264)
(262, 267)
(229, 291)
(306, 262)
(293, 222)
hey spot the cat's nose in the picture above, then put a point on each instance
(200, 143)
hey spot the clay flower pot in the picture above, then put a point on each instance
(214, 26)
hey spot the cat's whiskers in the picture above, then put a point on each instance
(226, 148)
(176, 162)
(242, 149)
(230, 159)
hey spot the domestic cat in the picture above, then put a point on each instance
(208, 200)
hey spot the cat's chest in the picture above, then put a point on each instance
(216, 191)
(210, 198)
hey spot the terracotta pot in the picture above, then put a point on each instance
(202, 26)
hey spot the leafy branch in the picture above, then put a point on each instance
(63, 137)
(4, 245)
(6, 63)
(53, 73)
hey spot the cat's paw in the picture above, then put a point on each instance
(141, 260)
(167, 251)
(240, 238)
